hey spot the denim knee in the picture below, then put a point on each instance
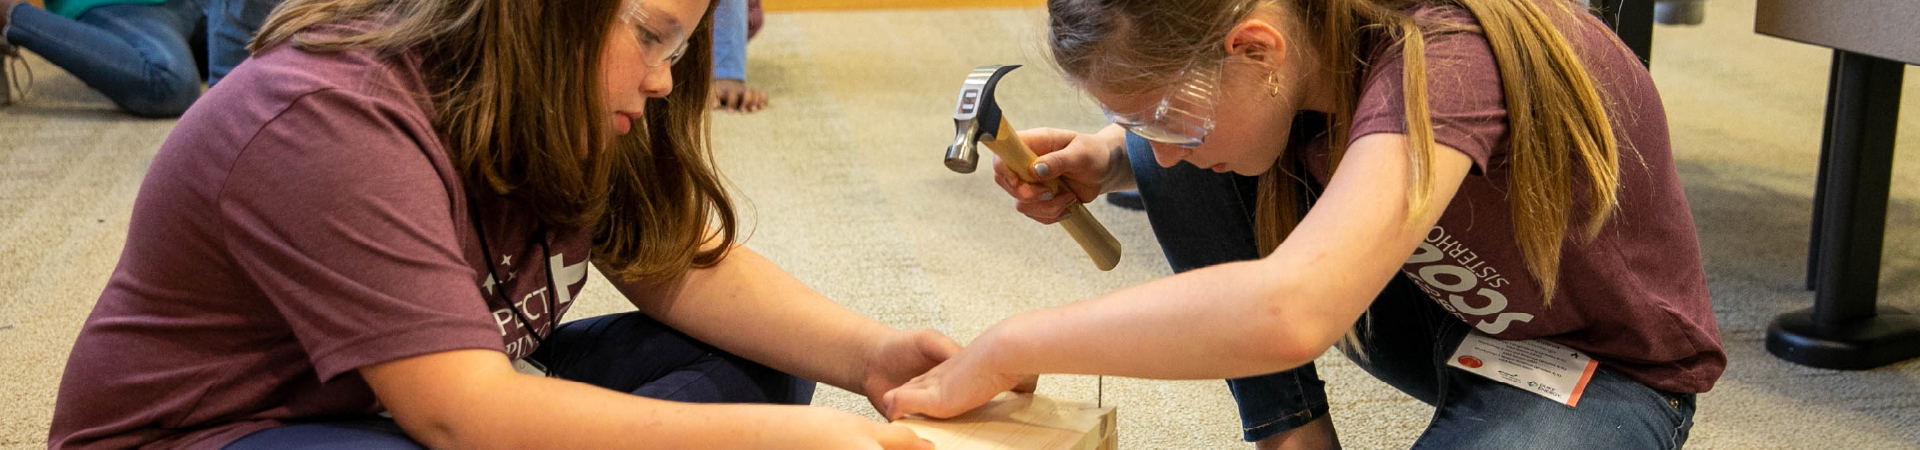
(1615, 412)
(167, 95)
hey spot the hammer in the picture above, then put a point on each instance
(977, 120)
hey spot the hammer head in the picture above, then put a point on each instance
(976, 118)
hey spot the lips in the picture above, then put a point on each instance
(623, 121)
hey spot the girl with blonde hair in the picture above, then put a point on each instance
(1394, 177)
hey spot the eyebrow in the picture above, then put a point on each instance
(672, 24)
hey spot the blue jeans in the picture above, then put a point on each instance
(624, 352)
(1203, 218)
(730, 40)
(145, 58)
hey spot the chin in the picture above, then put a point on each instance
(1254, 172)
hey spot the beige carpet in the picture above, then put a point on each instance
(847, 193)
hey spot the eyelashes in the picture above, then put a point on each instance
(647, 36)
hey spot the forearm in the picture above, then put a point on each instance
(752, 308)
(578, 415)
(1214, 322)
(485, 404)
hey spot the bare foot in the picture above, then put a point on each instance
(735, 96)
(1315, 435)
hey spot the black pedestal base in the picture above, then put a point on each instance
(1886, 338)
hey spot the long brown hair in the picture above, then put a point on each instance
(1557, 119)
(514, 88)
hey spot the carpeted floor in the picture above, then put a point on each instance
(846, 191)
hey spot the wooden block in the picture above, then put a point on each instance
(1023, 422)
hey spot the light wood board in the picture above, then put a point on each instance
(1022, 422)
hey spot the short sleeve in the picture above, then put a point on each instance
(1464, 94)
(337, 212)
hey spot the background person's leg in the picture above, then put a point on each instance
(756, 17)
(730, 40)
(631, 352)
(231, 24)
(137, 55)
(730, 89)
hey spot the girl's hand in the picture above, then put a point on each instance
(901, 356)
(1084, 162)
(954, 387)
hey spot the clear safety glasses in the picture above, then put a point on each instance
(1184, 115)
(655, 50)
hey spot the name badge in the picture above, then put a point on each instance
(1549, 370)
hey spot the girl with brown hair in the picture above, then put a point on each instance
(390, 206)
(1395, 177)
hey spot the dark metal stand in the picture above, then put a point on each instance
(1845, 329)
(1632, 20)
(1820, 176)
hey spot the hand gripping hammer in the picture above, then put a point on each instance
(977, 120)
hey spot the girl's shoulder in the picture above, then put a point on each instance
(346, 120)
(286, 72)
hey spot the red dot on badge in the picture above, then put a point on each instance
(1470, 362)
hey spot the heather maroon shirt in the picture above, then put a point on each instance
(1635, 298)
(301, 222)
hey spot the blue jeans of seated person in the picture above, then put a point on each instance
(1202, 218)
(624, 352)
(145, 58)
(730, 40)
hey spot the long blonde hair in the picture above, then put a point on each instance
(514, 85)
(1557, 118)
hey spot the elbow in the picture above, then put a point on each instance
(1288, 330)
(1279, 345)
(431, 432)
(447, 399)
(464, 420)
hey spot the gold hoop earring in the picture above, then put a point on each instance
(1273, 85)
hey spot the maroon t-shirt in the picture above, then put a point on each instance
(301, 222)
(1635, 298)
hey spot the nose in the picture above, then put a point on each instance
(658, 82)
(1168, 154)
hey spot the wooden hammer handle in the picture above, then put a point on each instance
(1086, 230)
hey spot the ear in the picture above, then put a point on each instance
(1258, 38)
